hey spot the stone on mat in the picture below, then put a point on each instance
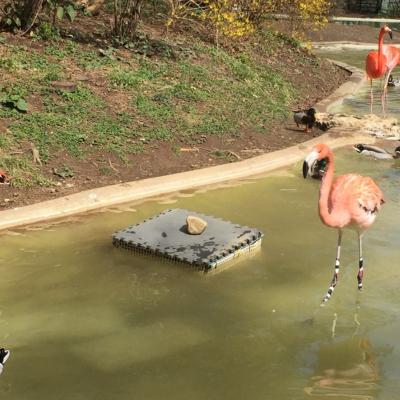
(195, 225)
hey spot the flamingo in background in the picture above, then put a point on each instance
(376, 63)
(350, 201)
(392, 54)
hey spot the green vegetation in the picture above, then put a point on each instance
(124, 104)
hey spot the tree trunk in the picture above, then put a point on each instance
(126, 18)
(30, 12)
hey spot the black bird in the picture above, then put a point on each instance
(376, 152)
(393, 82)
(305, 117)
(4, 354)
(318, 168)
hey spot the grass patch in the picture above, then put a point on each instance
(61, 50)
(23, 173)
(214, 126)
(158, 133)
(90, 59)
(207, 92)
(157, 110)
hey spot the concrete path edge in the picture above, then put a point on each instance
(145, 189)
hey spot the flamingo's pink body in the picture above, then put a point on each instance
(376, 62)
(349, 201)
(392, 55)
(353, 201)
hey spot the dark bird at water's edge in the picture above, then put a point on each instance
(305, 117)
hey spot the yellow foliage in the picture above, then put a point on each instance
(309, 15)
(238, 18)
(226, 18)
(313, 12)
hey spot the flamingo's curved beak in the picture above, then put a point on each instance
(306, 168)
(390, 35)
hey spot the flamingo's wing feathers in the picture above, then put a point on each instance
(355, 190)
(369, 196)
(392, 55)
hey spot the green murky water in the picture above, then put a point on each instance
(86, 321)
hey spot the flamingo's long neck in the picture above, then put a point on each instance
(325, 189)
(380, 45)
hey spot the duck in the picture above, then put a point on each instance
(318, 168)
(305, 117)
(393, 82)
(376, 152)
(4, 355)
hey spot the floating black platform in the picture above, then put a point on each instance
(165, 235)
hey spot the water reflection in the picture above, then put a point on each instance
(346, 368)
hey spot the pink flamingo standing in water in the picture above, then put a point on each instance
(392, 55)
(350, 201)
(376, 63)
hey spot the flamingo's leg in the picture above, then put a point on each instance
(384, 92)
(336, 274)
(387, 82)
(371, 96)
(360, 263)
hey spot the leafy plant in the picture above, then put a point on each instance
(64, 171)
(61, 8)
(47, 31)
(12, 18)
(14, 101)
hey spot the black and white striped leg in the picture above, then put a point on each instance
(336, 274)
(360, 263)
